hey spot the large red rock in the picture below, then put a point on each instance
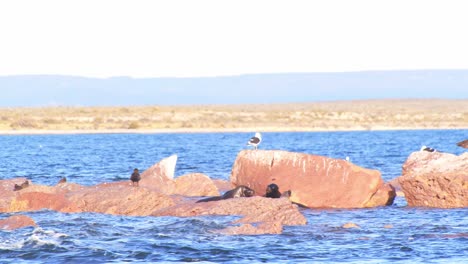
(315, 181)
(158, 194)
(118, 200)
(16, 221)
(6, 192)
(435, 179)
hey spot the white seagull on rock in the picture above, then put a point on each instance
(255, 140)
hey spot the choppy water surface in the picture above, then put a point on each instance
(391, 234)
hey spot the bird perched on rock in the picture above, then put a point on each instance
(22, 186)
(255, 140)
(63, 180)
(135, 178)
(428, 149)
(463, 144)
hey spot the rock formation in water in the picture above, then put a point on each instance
(259, 214)
(315, 181)
(16, 221)
(159, 194)
(435, 179)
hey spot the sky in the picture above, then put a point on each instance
(175, 38)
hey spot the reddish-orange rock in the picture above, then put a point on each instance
(385, 195)
(223, 185)
(435, 179)
(16, 221)
(6, 192)
(315, 181)
(195, 184)
(161, 175)
(118, 200)
(253, 209)
(350, 225)
(253, 229)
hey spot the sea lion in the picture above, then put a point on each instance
(239, 191)
(272, 191)
(135, 178)
(22, 186)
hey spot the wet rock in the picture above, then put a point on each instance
(117, 200)
(385, 195)
(195, 184)
(7, 192)
(350, 225)
(253, 229)
(435, 179)
(254, 210)
(16, 221)
(315, 181)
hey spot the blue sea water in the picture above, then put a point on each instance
(415, 235)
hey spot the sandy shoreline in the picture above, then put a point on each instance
(363, 115)
(214, 130)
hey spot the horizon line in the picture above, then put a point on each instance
(226, 75)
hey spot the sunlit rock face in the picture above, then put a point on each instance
(16, 221)
(435, 179)
(314, 181)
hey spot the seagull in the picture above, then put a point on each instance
(428, 149)
(255, 140)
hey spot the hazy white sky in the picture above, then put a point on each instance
(103, 38)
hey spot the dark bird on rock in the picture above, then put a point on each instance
(135, 178)
(463, 144)
(255, 140)
(22, 186)
(63, 180)
(428, 149)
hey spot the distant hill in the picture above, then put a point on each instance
(54, 90)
